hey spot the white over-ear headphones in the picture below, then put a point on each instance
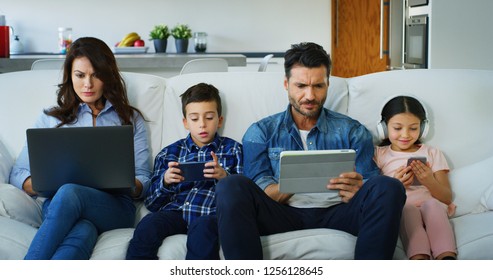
(382, 125)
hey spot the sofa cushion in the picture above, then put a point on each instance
(469, 184)
(17, 205)
(337, 95)
(112, 245)
(474, 235)
(6, 162)
(146, 93)
(304, 244)
(301, 244)
(487, 199)
(35, 90)
(15, 238)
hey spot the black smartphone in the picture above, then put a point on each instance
(193, 171)
(411, 159)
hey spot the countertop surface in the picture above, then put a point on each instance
(23, 62)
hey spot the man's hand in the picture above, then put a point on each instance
(348, 185)
(273, 192)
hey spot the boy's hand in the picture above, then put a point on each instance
(173, 174)
(214, 169)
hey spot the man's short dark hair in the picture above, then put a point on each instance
(201, 92)
(306, 54)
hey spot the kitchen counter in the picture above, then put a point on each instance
(149, 63)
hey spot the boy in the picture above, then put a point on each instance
(181, 207)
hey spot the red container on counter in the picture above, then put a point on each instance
(4, 41)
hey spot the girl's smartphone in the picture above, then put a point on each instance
(411, 159)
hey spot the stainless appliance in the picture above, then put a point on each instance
(415, 3)
(416, 42)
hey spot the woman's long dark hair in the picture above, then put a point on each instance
(104, 63)
(402, 104)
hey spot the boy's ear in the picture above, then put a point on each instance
(220, 122)
(185, 123)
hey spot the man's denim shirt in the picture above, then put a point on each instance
(266, 139)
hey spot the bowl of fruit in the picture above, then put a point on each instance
(131, 43)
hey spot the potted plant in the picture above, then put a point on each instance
(159, 34)
(182, 33)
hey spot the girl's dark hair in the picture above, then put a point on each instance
(402, 104)
(104, 63)
(201, 92)
(308, 55)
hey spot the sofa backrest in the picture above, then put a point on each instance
(146, 93)
(246, 98)
(23, 97)
(25, 94)
(459, 105)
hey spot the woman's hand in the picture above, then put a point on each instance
(137, 191)
(28, 187)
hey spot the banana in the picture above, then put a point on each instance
(129, 39)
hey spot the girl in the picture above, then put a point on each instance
(425, 229)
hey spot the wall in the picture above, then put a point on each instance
(232, 25)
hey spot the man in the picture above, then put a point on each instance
(366, 205)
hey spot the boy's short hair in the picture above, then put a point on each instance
(201, 92)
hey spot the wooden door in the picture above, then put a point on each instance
(359, 46)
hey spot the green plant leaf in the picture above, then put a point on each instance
(159, 32)
(181, 31)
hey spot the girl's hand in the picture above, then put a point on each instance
(423, 172)
(405, 175)
(173, 174)
(213, 169)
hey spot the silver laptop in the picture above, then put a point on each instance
(310, 171)
(97, 157)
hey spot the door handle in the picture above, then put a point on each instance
(381, 29)
(337, 23)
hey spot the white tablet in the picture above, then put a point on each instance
(310, 171)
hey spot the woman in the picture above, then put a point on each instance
(92, 93)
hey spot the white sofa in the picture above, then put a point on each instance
(460, 108)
